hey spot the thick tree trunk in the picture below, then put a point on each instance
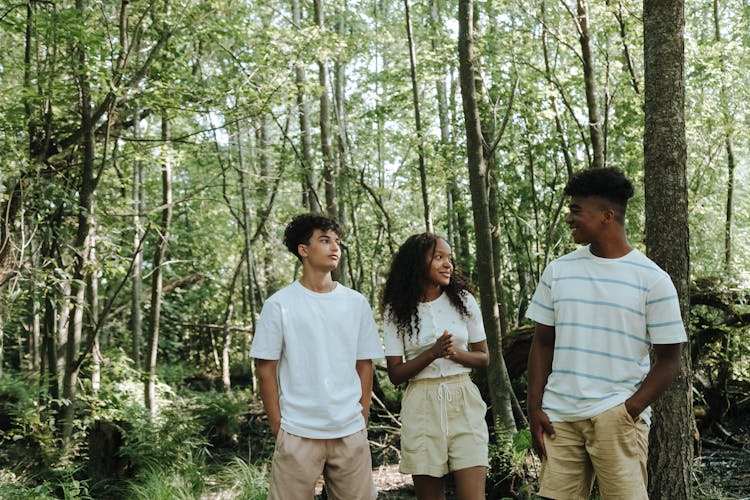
(418, 120)
(499, 382)
(664, 149)
(158, 273)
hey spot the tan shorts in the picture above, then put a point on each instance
(442, 426)
(344, 462)
(609, 446)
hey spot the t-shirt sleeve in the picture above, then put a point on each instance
(268, 339)
(394, 344)
(369, 345)
(663, 317)
(541, 308)
(474, 323)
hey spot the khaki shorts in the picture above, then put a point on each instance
(610, 446)
(344, 462)
(442, 426)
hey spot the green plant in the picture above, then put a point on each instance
(245, 481)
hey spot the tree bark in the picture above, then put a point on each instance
(157, 276)
(309, 181)
(497, 375)
(139, 209)
(418, 120)
(665, 151)
(595, 121)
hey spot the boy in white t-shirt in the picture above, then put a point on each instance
(598, 311)
(314, 346)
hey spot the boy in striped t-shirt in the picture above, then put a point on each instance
(598, 311)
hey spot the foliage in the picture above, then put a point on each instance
(244, 481)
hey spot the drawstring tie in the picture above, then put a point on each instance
(444, 396)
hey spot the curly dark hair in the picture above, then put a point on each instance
(608, 183)
(403, 286)
(301, 227)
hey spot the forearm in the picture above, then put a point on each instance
(269, 392)
(663, 372)
(475, 357)
(400, 371)
(539, 365)
(365, 371)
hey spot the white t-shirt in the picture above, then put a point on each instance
(607, 313)
(435, 317)
(317, 338)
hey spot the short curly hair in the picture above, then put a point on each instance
(301, 227)
(608, 183)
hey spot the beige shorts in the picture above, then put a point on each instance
(344, 462)
(610, 446)
(442, 426)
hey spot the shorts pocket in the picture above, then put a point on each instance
(475, 411)
(413, 425)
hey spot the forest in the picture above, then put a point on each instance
(152, 151)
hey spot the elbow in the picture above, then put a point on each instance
(395, 378)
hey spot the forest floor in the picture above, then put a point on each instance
(724, 464)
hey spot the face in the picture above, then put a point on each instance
(440, 265)
(586, 218)
(322, 252)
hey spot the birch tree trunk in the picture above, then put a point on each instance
(665, 154)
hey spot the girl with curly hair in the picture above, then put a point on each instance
(434, 336)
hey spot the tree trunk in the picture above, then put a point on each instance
(418, 120)
(83, 245)
(497, 375)
(670, 462)
(309, 182)
(139, 209)
(248, 250)
(329, 174)
(730, 152)
(595, 121)
(157, 275)
(343, 170)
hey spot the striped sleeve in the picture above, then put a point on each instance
(541, 308)
(663, 317)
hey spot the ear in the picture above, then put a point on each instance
(609, 216)
(302, 250)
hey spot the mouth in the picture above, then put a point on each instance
(333, 257)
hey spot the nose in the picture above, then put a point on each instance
(569, 218)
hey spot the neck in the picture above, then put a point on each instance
(611, 248)
(431, 292)
(317, 281)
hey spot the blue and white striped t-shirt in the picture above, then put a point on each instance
(606, 314)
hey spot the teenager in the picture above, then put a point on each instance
(314, 346)
(434, 336)
(598, 311)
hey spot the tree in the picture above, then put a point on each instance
(499, 382)
(664, 158)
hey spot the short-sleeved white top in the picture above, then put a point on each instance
(317, 338)
(434, 318)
